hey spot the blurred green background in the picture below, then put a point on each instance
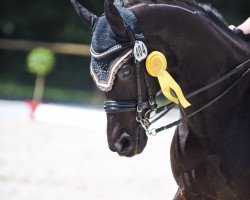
(56, 21)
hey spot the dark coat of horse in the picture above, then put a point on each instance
(210, 152)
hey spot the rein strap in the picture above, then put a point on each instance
(234, 71)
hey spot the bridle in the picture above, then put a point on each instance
(150, 105)
(139, 105)
(145, 109)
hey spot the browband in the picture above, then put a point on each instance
(108, 52)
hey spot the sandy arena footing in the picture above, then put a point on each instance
(62, 154)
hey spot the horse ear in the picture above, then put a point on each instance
(115, 19)
(87, 17)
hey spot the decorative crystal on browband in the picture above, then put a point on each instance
(108, 52)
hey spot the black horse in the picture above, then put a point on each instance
(210, 151)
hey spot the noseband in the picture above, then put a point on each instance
(145, 109)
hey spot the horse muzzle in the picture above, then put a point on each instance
(127, 145)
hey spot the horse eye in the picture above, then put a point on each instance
(125, 72)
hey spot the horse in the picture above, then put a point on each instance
(207, 60)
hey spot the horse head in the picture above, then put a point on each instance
(185, 35)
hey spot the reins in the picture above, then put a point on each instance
(234, 71)
(129, 106)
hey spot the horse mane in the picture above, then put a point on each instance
(207, 9)
(211, 12)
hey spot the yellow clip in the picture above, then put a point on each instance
(156, 65)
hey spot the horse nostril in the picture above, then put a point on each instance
(124, 144)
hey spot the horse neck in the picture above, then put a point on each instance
(199, 51)
(206, 54)
(192, 42)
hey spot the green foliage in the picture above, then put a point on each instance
(52, 94)
(57, 21)
(45, 20)
(40, 61)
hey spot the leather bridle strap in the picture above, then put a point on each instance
(139, 89)
(121, 106)
(238, 68)
(232, 72)
(127, 106)
(151, 99)
(140, 106)
(165, 109)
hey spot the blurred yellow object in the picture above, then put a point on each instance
(156, 65)
(41, 61)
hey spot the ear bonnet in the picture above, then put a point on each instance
(109, 51)
(116, 39)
